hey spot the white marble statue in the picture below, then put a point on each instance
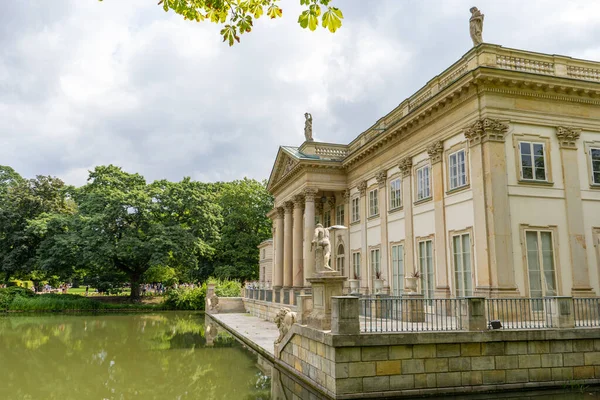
(323, 248)
(308, 127)
(476, 26)
(284, 319)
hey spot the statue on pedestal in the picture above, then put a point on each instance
(476, 26)
(308, 127)
(323, 248)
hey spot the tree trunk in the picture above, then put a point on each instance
(135, 280)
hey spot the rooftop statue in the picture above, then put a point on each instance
(308, 127)
(476, 26)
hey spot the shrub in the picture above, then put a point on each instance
(186, 299)
(10, 293)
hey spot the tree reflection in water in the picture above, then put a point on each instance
(150, 356)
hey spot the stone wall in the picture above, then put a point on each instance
(264, 309)
(231, 305)
(372, 365)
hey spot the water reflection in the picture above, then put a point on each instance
(151, 356)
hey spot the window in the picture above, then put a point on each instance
(398, 269)
(356, 265)
(339, 215)
(327, 219)
(375, 263)
(595, 160)
(458, 170)
(426, 268)
(356, 209)
(533, 161)
(540, 263)
(263, 253)
(373, 203)
(395, 194)
(423, 184)
(461, 247)
(339, 265)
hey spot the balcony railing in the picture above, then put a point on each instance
(587, 311)
(521, 313)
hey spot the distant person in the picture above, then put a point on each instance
(87, 290)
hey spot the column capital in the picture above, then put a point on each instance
(381, 177)
(288, 206)
(298, 201)
(486, 129)
(310, 193)
(362, 188)
(346, 196)
(435, 151)
(331, 201)
(405, 166)
(567, 137)
(280, 212)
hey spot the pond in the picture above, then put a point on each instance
(172, 355)
(120, 357)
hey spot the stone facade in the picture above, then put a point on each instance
(264, 309)
(344, 366)
(265, 250)
(483, 176)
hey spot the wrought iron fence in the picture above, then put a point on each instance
(397, 314)
(520, 313)
(587, 311)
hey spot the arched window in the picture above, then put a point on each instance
(340, 259)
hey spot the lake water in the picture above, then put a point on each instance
(163, 356)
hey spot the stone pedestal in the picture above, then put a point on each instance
(473, 316)
(325, 285)
(560, 311)
(413, 309)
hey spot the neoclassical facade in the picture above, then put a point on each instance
(485, 182)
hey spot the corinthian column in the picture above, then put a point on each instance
(386, 273)
(297, 276)
(436, 151)
(309, 230)
(278, 267)
(287, 245)
(567, 138)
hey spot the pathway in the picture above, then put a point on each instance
(251, 330)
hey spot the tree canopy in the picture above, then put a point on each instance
(237, 16)
(119, 228)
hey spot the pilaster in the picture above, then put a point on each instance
(436, 152)
(346, 233)
(492, 229)
(365, 277)
(405, 166)
(567, 138)
(383, 263)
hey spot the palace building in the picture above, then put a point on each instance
(485, 182)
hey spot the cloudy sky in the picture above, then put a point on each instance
(84, 83)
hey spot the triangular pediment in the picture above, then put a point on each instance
(284, 164)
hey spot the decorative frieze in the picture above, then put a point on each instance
(405, 166)
(435, 151)
(362, 188)
(486, 129)
(381, 177)
(309, 194)
(567, 137)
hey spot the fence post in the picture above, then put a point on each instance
(561, 311)
(344, 315)
(473, 314)
(413, 307)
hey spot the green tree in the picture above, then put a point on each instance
(237, 16)
(22, 203)
(121, 228)
(245, 204)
